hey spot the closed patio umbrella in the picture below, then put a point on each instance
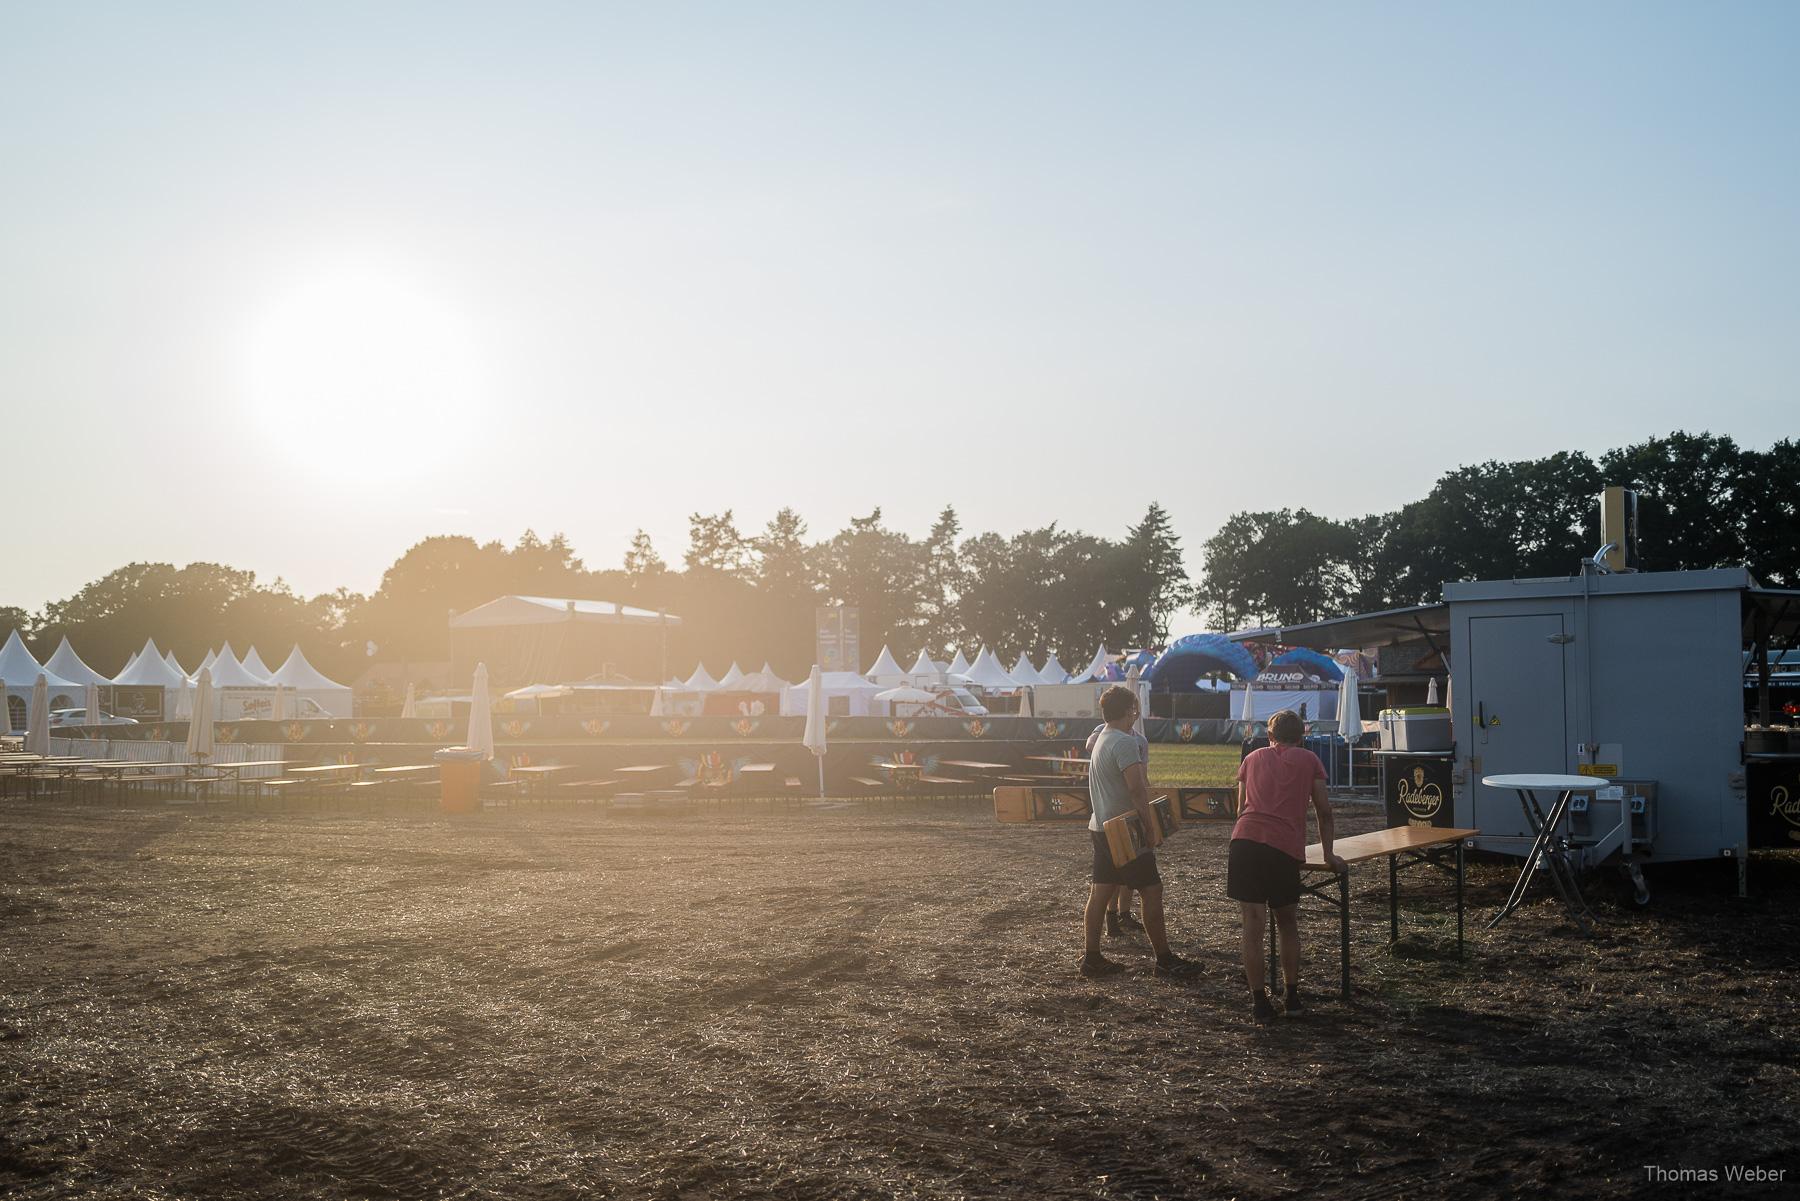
(5, 712)
(481, 722)
(200, 725)
(37, 722)
(91, 704)
(411, 707)
(1431, 692)
(814, 737)
(1249, 709)
(1349, 719)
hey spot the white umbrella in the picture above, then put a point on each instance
(656, 704)
(411, 707)
(1025, 702)
(481, 722)
(1349, 719)
(814, 737)
(279, 713)
(1140, 688)
(1431, 692)
(200, 725)
(91, 702)
(1249, 713)
(5, 711)
(37, 722)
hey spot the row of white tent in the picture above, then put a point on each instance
(243, 687)
(986, 672)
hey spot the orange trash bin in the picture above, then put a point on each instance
(459, 779)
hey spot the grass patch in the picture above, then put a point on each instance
(1192, 766)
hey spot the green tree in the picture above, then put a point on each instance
(1155, 577)
(715, 545)
(1771, 505)
(641, 559)
(1693, 498)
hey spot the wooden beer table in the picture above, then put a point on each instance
(1403, 847)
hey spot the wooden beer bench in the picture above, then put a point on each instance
(1403, 847)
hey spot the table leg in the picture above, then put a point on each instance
(1269, 913)
(1393, 899)
(1459, 900)
(1534, 817)
(1344, 930)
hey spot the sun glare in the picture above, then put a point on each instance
(356, 365)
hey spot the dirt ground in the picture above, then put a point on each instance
(835, 1002)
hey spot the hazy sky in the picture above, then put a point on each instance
(292, 286)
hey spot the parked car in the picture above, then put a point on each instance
(960, 701)
(78, 717)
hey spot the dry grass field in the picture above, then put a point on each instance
(832, 1002)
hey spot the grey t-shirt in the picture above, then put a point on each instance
(1108, 794)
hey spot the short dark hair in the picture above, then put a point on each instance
(1287, 727)
(1117, 701)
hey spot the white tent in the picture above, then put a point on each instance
(130, 659)
(762, 681)
(255, 666)
(987, 672)
(211, 658)
(172, 661)
(1095, 669)
(150, 670)
(67, 664)
(732, 680)
(1053, 672)
(924, 671)
(856, 693)
(701, 680)
(768, 673)
(236, 693)
(885, 669)
(20, 666)
(307, 681)
(1023, 672)
(959, 666)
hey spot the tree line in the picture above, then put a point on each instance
(750, 595)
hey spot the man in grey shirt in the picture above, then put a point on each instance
(1117, 784)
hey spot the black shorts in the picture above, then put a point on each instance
(1139, 873)
(1261, 875)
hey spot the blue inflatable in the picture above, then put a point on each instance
(1187, 659)
(1321, 664)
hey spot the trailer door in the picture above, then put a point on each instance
(1518, 714)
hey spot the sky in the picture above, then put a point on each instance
(291, 287)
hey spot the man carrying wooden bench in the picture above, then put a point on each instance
(1268, 848)
(1117, 785)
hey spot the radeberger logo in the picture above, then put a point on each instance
(975, 727)
(595, 726)
(1185, 730)
(1418, 798)
(745, 726)
(900, 728)
(1787, 808)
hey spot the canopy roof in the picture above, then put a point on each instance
(988, 672)
(884, 665)
(228, 672)
(543, 610)
(1096, 669)
(20, 668)
(1053, 671)
(255, 666)
(771, 674)
(1024, 673)
(760, 681)
(150, 670)
(959, 666)
(302, 676)
(172, 661)
(67, 664)
(1389, 627)
(701, 680)
(840, 682)
(733, 678)
(923, 666)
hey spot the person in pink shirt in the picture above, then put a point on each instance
(1268, 847)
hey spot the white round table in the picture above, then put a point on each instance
(1545, 846)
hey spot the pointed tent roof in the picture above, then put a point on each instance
(700, 681)
(988, 672)
(67, 664)
(1024, 672)
(149, 670)
(302, 676)
(923, 666)
(255, 666)
(211, 658)
(760, 681)
(1096, 669)
(22, 668)
(884, 666)
(172, 661)
(228, 672)
(959, 666)
(1053, 672)
(130, 659)
(732, 678)
(771, 673)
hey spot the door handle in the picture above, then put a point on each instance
(1481, 714)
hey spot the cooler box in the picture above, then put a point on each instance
(1419, 728)
(459, 779)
